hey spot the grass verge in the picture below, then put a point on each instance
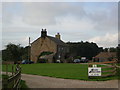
(61, 70)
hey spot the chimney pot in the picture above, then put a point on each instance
(43, 33)
(57, 36)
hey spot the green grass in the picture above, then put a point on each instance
(118, 64)
(4, 76)
(60, 70)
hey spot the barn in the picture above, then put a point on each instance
(105, 56)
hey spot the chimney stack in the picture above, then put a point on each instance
(108, 49)
(43, 33)
(57, 36)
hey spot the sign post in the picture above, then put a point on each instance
(94, 71)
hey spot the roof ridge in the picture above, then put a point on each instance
(57, 41)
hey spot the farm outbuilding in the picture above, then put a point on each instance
(105, 56)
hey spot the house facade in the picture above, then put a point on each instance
(51, 44)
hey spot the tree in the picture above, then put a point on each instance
(13, 52)
(26, 52)
(112, 49)
(106, 50)
(118, 54)
(5, 55)
(84, 49)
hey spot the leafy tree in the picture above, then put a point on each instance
(6, 55)
(106, 50)
(118, 54)
(84, 49)
(12, 52)
(26, 52)
(112, 49)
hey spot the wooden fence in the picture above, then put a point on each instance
(13, 82)
(110, 66)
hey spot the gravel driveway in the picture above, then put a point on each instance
(35, 81)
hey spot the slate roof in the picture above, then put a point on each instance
(57, 41)
(35, 40)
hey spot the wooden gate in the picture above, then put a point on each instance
(108, 67)
(14, 79)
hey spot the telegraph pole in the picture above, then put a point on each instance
(118, 51)
(29, 41)
(29, 50)
(118, 43)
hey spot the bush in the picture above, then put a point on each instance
(45, 53)
(23, 85)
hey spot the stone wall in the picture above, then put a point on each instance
(40, 45)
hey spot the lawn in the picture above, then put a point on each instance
(60, 70)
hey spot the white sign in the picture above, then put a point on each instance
(83, 57)
(94, 71)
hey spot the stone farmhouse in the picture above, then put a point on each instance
(53, 45)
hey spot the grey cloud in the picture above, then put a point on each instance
(71, 20)
(106, 20)
(109, 39)
(46, 13)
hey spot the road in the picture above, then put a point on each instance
(35, 81)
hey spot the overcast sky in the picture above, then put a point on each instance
(75, 21)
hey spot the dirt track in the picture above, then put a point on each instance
(35, 81)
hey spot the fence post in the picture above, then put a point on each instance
(5, 84)
(6, 69)
(12, 69)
